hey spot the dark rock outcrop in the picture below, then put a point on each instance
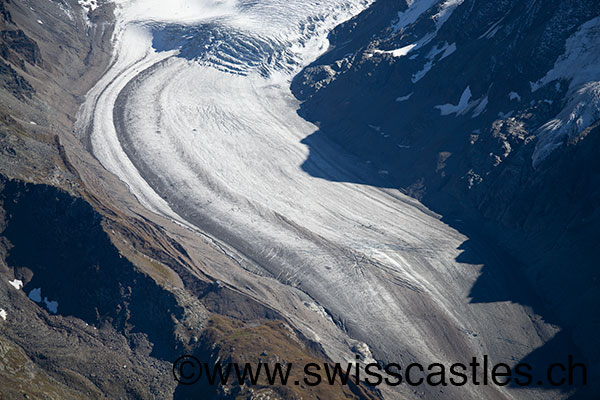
(17, 48)
(14, 82)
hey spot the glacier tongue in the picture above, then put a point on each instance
(197, 118)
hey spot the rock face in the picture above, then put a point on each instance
(489, 113)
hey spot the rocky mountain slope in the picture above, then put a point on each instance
(489, 113)
(98, 296)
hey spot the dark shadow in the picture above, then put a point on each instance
(329, 161)
(563, 270)
(558, 350)
(60, 241)
(503, 279)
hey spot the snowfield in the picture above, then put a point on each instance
(196, 117)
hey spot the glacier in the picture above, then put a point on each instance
(196, 117)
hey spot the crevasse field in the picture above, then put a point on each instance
(195, 115)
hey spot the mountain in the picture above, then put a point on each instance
(488, 112)
(295, 182)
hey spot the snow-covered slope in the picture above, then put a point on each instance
(580, 67)
(197, 117)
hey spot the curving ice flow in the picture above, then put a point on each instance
(196, 117)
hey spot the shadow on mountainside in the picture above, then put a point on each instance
(536, 244)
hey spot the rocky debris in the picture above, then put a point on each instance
(4, 13)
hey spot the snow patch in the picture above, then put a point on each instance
(36, 295)
(320, 310)
(465, 104)
(362, 350)
(446, 9)
(458, 109)
(3, 314)
(88, 5)
(507, 115)
(480, 107)
(445, 49)
(417, 76)
(582, 110)
(66, 10)
(490, 33)
(401, 52)
(439, 48)
(581, 61)
(449, 50)
(52, 306)
(17, 284)
(412, 13)
(404, 98)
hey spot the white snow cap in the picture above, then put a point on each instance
(17, 284)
